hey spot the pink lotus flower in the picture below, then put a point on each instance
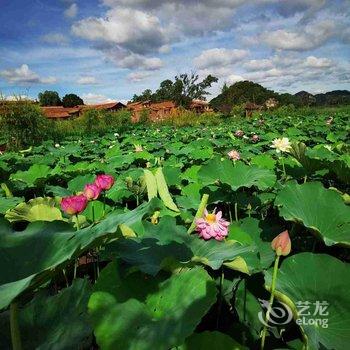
(281, 244)
(234, 155)
(104, 182)
(255, 138)
(74, 204)
(212, 226)
(239, 133)
(92, 191)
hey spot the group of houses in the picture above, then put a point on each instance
(156, 111)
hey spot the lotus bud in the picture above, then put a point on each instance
(92, 191)
(281, 244)
(74, 204)
(104, 182)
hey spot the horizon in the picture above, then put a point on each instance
(112, 49)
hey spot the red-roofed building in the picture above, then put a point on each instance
(59, 112)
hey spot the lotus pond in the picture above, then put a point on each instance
(172, 250)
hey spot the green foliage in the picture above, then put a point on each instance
(23, 124)
(182, 90)
(49, 98)
(154, 282)
(72, 100)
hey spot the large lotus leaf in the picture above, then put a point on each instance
(315, 279)
(37, 209)
(34, 173)
(9, 203)
(210, 340)
(164, 318)
(53, 323)
(251, 230)
(240, 175)
(317, 208)
(167, 241)
(31, 255)
(77, 184)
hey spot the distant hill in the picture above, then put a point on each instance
(336, 97)
(248, 91)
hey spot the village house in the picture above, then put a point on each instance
(62, 113)
(158, 111)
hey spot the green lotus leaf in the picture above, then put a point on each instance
(321, 210)
(58, 322)
(312, 279)
(168, 241)
(32, 255)
(37, 209)
(34, 173)
(210, 340)
(163, 317)
(77, 184)
(9, 203)
(240, 175)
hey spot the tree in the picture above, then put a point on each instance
(145, 96)
(182, 90)
(49, 98)
(72, 100)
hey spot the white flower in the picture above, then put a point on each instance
(138, 148)
(281, 145)
(116, 134)
(57, 145)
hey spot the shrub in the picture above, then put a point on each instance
(144, 117)
(23, 124)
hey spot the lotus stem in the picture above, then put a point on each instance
(200, 212)
(236, 211)
(283, 167)
(220, 298)
(15, 333)
(268, 312)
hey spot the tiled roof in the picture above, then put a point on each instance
(59, 111)
(108, 105)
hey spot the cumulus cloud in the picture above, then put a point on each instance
(134, 30)
(316, 62)
(138, 76)
(219, 57)
(87, 80)
(71, 11)
(55, 38)
(307, 38)
(24, 76)
(254, 65)
(93, 98)
(133, 61)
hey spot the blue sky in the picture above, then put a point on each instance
(110, 49)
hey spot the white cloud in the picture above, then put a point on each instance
(308, 37)
(87, 80)
(254, 65)
(138, 61)
(24, 76)
(233, 78)
(71, 11)
(219, 57)
(92, 98)
(134, 30)
(316, 62)
(55, 38)
(139, 76)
